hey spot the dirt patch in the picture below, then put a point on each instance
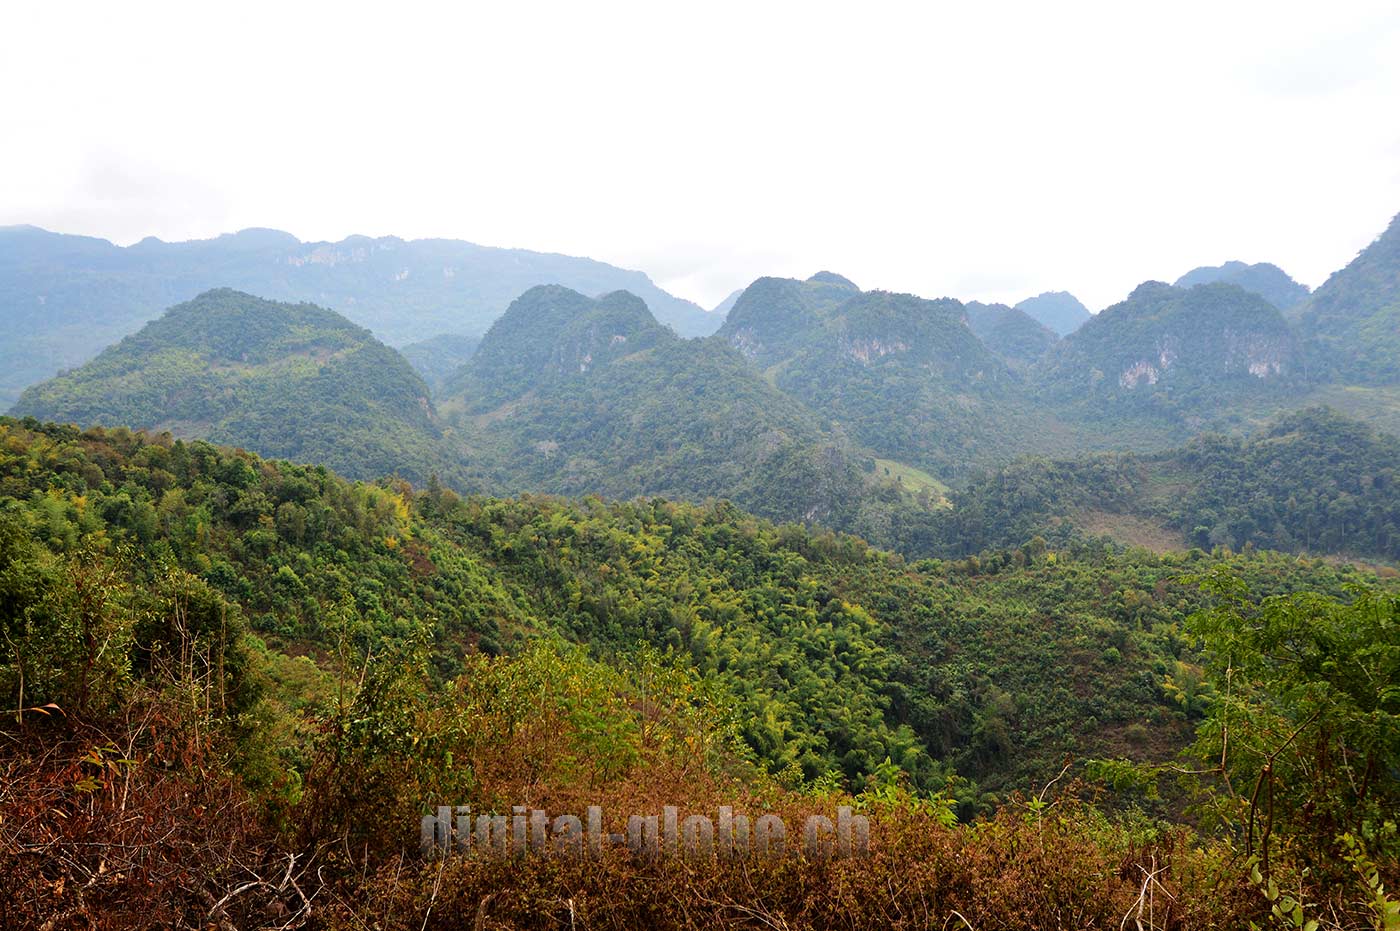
(1130, 529)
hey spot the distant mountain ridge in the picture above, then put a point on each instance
(1264, 279)
(1060, 311)
(65, 298)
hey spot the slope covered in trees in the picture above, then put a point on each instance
(1012, 334)
(281, 379)
(294, 668)
(1312, 482)
(1351, 324)
(903, 376)
(552, 335)
(837, 654)
(1178, 353)
(65, 298)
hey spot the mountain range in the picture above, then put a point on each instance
(1264, 279)
(814, 401)
(65, 298)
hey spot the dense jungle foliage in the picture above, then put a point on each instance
(1351, 324)
(308, 662)
(1313, 482)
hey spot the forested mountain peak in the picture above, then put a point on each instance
(292, 380)
(1177, 346)
(774, 317)
(1264, 279)
(824, 277)
(1058, 310)
(551, 333)
(1019, 339)
(1352, 323)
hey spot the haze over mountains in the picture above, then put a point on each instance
(65, 298)
(1058, 310)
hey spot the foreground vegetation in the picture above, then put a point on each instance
(236, 684)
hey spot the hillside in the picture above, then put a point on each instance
(551, 335)
(573, 395)
(774, 318)
(901, 375)
(1264, 279)
(1351, 325)
(65, 298)
(286, 380)
(439, 357)
(1179, 353)
(836, 654)
(1059, 311)
(1312, 482)
(290, 664)
(1020, 340)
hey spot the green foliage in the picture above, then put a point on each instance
(1175, 354)
(1312, 482)
(1305, 721)
(832, 656)
(1012, 334)
(284, 380)
(1351, 324)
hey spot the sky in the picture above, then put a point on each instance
(983, 151)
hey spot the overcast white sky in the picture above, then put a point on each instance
(987, 151)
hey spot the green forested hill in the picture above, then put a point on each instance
(909, 379)
(687, 420)
(774, 318)
(282, 379)
(1264, 279)
(1179, 353)
(551, 335)
(1351, 324)
(903, 376)
(1012, 334)
(1312, 482)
